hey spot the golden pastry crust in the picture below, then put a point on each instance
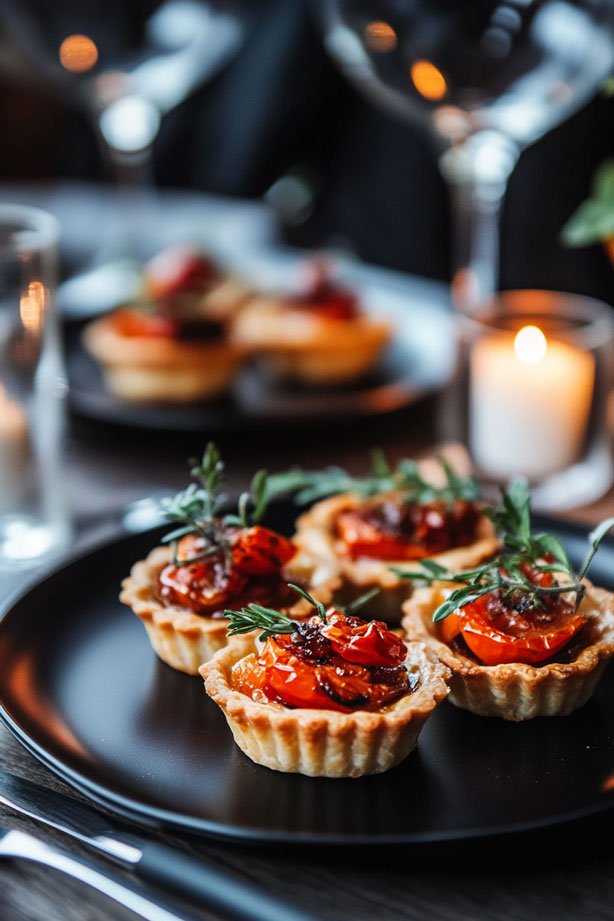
(142, 368)
(327, 743)
(516, 691)
(315, 534)
(181, 638)
(302, 346)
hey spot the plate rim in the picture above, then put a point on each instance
(127, 808)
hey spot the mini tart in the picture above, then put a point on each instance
(156, 368)
(295, 344)
(516, 691)
(327, 743)
(315, 534)
(182, 638)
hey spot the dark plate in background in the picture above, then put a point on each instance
(82, 689)
(418, 362)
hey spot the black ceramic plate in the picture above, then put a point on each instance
(417, 362)
(82, 690)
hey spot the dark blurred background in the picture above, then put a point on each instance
(280, 110)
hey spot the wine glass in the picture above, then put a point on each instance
(127, 63)
(487, 78)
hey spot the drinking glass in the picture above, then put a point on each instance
(127, 63)
(34, 517)
(487, 78)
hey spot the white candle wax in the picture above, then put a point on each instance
(529, 405)
(13, 452)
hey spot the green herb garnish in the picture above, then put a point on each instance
(309, 486)
(593, 221)
(504, 572)
(198, 507)
(271, 621)
(268, 620)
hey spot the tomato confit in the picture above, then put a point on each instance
(332, 661)
(246, 568)
(219, 560)
(393, 529)
(523, 605)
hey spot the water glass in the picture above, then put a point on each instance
(34, 517)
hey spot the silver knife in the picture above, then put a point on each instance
(159, 864)
(18, 844)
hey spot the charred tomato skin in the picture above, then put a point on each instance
(390, 529)
(321, 667)
(498, 634)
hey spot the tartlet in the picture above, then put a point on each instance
(524, 635)
(319, 733)
(175, 344)
(517, 690)
(180, 592)
(319, 336)
(389, 519)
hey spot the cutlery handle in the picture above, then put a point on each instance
(213, 888)
(19, 844)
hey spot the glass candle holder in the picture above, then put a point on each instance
(531, 391)
(34, 519)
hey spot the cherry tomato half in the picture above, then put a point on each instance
(369, 643)
(529, 642)
(259, 551)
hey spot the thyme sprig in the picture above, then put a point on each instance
(311, 485)
(197, 508)
(504, 572)
(271, 622)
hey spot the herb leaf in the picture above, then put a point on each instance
(311, 485)
(593, 221)
(254, 617)
(595, 538)
(197, 508)
(507, 572)
(269, 621)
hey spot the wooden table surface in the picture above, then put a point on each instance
(566, 879)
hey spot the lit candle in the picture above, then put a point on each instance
(529, 403)
(13, 452)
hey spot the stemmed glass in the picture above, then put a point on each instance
(127, 63)
(488, 78)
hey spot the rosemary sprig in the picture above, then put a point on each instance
(197, 508)
(270, 621)
(309, 486)
(504, 572)
(256, 617)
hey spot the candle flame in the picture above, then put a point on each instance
(380, 36)
(78, 53)
(428, 80)
(530, 345)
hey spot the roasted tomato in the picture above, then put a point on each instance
(209, 585)
(134, 323)
(322, 296)
(260, 551)
(330, 303)
(312, 669)
(176, 269)
(497, 633)
(390, 529)
(205, 586)
(370, 643)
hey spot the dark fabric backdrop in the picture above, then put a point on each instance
(282, 108)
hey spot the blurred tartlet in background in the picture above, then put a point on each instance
(174, 343)
(317, 335)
